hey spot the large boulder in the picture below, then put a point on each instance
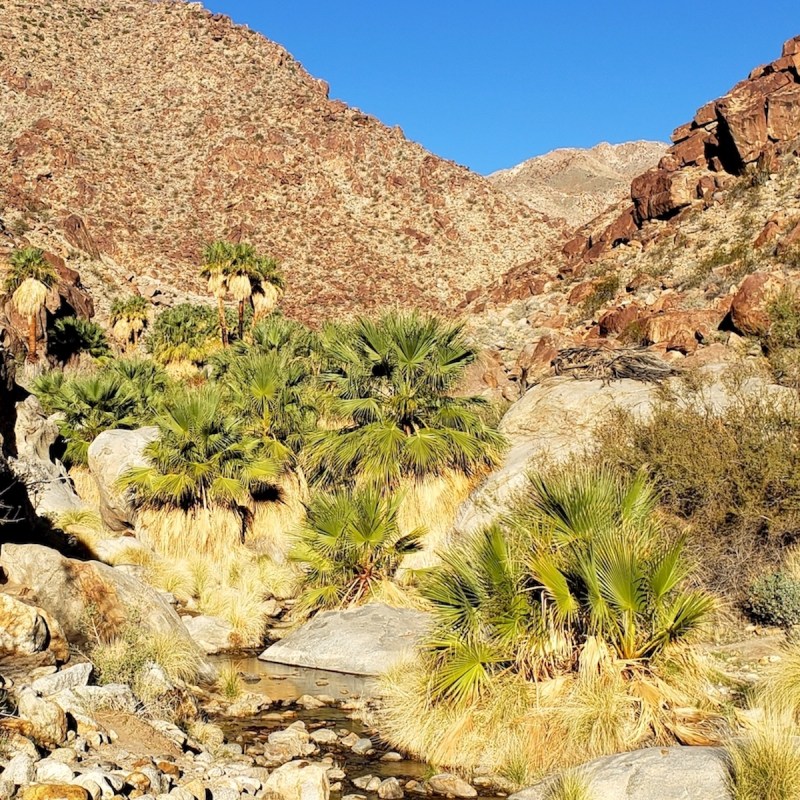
(211, 634)
(656, 773)
(559, 417)
(750, 305)
(46, 481)
(26, 630)
(70, 590)
(110, 455)
(47, 719)
(362, 641)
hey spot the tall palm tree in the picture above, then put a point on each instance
(202, 457)
(392, 411)
(349, 544)
(582, 558)
(217, 258)
(28, 280)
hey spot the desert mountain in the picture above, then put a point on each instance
(576, 183)
(133, 132)
(690, 260)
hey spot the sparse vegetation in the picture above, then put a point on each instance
(604, 291)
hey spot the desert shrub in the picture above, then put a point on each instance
(731, 477)
(775, 600)
(126, 656)
(229, 681)
(603, 293)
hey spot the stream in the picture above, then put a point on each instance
(284, 684)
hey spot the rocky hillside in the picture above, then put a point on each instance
(577, 184)
(133, 132)
(690, 260)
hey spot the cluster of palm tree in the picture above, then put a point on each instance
(121, 393)
(237, 270)
(128, 318)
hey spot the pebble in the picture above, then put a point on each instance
(324, 736)
(391, 756)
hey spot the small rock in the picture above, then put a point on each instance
(70, 678)
(54, 792)
(446, 784)
(20, 770)
(324, 736)
(299, 780)
(355, 797)
(350, 739)
(362, 747)
(390, 789)
(95, 792)
(50, 771)
(309, 703)
(369, 783)
(391, 756)
(48, 720)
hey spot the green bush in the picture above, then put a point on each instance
(775, 600)
(602, 294)
(731, 478)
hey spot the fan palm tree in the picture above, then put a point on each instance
(217, 258)
(254, 279)
(201, 458)
(28, 280)
(73, 335)
(129, 318)
(273, 393)
(392, 411)
(582, 558)
(350, 542)
(88, 405)
(185, 332)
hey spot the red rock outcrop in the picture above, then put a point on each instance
(747, 125)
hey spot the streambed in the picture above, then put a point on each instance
(285, 684)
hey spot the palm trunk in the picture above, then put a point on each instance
(241, 320)
(223, 325)
(32, 338)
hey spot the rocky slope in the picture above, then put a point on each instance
(692, 259)
(131, 133)
(577, 184)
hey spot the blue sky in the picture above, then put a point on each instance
(489, 84)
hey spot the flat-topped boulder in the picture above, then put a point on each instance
(656, 773)
(362, 641)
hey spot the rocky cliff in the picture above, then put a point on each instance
(133, 132)
(691, 260)
(578, 184)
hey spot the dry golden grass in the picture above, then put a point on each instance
(85, 486)
(778, 691)
(570, 785)
(206, 734)
(432, 504)
(525, 730)
(766, 764)
(271, 531)
(212, 533)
